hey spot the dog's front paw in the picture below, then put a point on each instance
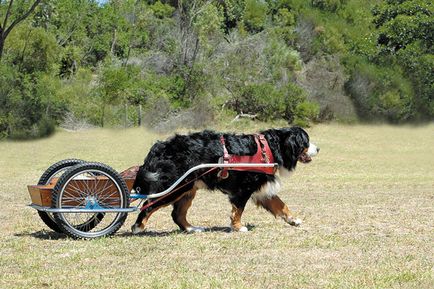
(137, 228)
(194, 229)
(240, 229)
(294, 221)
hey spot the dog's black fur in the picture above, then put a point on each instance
(167, 161)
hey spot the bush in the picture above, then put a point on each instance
(255, 15)
(32, 50)
(29, 105)
(77, 92)
(305, 112)
(328, 5)
(270, 103)
(162, 10)
(381, 93)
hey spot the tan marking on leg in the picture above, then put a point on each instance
(181, 207)
(199, 184)
(279, 209)
(236, 219)
(140, 228)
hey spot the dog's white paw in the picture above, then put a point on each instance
(241, 229)
(194, 229)
(294, 222)
(136, 229)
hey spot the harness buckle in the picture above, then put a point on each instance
(223, 174)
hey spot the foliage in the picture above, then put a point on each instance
(381, 93)
(404, 22)
(255, 15)
(233, 11)
(208, 24)
(29, 104)
(99, 62)
(161, 10)
(328, 5)
(304, 112)
(32, 50)
(406, 37)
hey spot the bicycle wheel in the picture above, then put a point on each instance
(54, 171)
(90, 186)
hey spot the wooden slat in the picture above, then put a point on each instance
(41, 194)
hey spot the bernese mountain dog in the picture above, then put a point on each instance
(168, 160)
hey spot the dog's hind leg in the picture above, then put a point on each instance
(279, 209)
(180, 209)
(142, 219)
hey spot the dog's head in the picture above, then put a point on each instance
(296, 147)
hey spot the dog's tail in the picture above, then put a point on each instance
(151, 176)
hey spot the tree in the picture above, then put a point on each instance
(15, 13)
(406, 36)
(404, 22)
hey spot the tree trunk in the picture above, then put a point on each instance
(126, 115)
(2, 44)
(139, 113)
(112, 49)
(102, 115)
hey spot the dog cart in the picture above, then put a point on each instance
(90, 200)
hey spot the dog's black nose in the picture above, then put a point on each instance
(317, 150)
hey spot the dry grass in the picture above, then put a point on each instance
(366, 200)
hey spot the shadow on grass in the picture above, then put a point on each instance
(50, 235)
(43, 235)
(174, 232)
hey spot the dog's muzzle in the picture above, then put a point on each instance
(307, 155)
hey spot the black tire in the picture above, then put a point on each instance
(55, 170)
(46, 177)
(68, 190)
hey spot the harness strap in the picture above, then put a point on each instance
(225, 151)
(223, 173)
(262, 155)
(263, 143)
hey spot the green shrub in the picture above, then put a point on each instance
(305, 112)
(328, 5)
(381, 93)
(255, 15)
(32, 50)
(29, 105)
(271, 103)
(162, 10)
(45, 127)
(285, 17)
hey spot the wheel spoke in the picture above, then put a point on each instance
(97, 185)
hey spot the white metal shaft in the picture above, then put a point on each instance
(205, 166)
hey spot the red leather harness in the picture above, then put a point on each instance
(263, 155)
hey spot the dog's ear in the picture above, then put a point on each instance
(299, 140)
(289, 150)
(290, 144)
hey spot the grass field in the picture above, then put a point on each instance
(367, 202)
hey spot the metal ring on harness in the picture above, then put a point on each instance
(223, 174)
